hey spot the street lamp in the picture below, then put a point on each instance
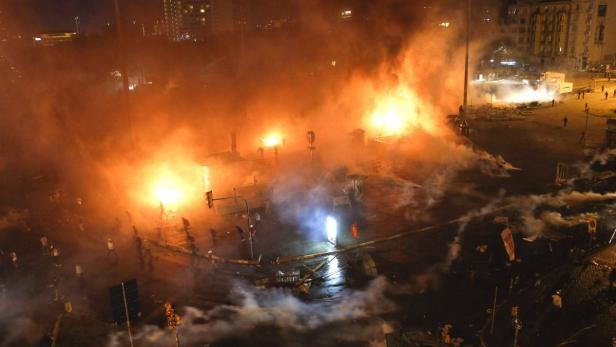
(331, 227)
(210, 203)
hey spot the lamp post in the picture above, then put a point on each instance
(210, 202)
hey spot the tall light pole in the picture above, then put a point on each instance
(76, 25)
(123, 70)
(468, 34)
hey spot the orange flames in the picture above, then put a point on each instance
(399, 113)
(272, 140)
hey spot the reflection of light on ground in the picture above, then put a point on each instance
(334, 271)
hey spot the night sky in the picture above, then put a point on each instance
(52, 15)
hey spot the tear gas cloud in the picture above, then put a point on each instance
(512, 92)
(253, 309)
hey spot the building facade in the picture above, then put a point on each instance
(197, 19)
(187, 19)
(580, 33)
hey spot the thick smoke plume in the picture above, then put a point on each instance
(275, 308)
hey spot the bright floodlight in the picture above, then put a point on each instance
(331, 225)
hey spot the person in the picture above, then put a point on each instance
(194, 259)
(583, 93)
(553, 102)
(586, 107)
(578, 93)
(257, 218)
(79, 275)
(582, 137)
(606, 95)
(602, 88)
(112, 256)
(45, 245)
(614, 93)
(13, 256)
(186, 226)
(139, 246)
(214, 238)
(55, 254)
(240, 231)
(565, 121)
(253, 232)
(147, 255)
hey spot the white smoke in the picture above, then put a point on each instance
(270, 308)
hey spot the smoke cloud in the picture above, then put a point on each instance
(276, 308)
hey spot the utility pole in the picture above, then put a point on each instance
(585, 128)
(130, 334)
(123, 70)
(493, 311)
(468, 34)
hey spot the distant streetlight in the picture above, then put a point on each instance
(331, 227)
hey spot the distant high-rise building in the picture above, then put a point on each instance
(196, 19)
(187, 19)
(579, 32)
(222, 16)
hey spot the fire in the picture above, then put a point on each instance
(272, 140)
(395, 114)
(167, 195)
(175, 184)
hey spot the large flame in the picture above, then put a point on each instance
(272, 140)
(174, 184)
(398, 113)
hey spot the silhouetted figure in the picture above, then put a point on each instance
(194, 259)
(148, 258)
(565, 121)
(214, 237)
(80, 278)
(240, 231)
(553, 102)
(606, 95)
(186, 225)
(139, 246)
(112, 256)
(55, 254)
(582, 137)
(45, 245)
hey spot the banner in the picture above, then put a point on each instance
(507, 237)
